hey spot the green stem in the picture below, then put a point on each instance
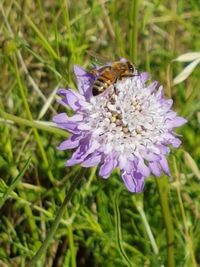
(133, 31)
(118, 230)
(71, 246)
(58, 218)
(31, 123)
(162, 185)
(139, 206)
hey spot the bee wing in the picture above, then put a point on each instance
(98, 70)
(99, 58)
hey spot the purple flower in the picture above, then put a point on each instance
(129, 126)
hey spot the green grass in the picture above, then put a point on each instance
(103, 224)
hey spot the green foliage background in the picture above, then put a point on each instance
(104, 225)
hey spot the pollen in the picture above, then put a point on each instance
(125, 130)
(113, 119)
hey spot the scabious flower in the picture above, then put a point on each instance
(129, 126)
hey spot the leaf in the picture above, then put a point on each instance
(189, 161)
(188, 57)
(185, 73)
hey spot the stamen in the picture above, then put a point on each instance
(125, 129)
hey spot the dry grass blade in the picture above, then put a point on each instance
(190, 162)
(187, 57)
(185, 73)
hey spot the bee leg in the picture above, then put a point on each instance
(95, 72)
(129, 75)
(115, 91)
(126, 76)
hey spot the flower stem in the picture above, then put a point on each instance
(139, 206)
(58, 218)
(162, 185)
(133, 32)
(32, 123)
(118, 230)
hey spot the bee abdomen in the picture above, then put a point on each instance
(100, 85)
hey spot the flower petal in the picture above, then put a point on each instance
(71, 98)
(72, 142)
(149, 156)
(85, 81)
(159, 93)
(163, 149)
(152, 86)
(144, 77)
(106, 168)
(139, 181)
(122, 161)
(164, 164)
(67, 123)
(92, 160)
(78, 156)
(155, 168)
(86, 147)
(175, 142)
(72, 162)
(134, 182)
(142, 168)
(176, 122)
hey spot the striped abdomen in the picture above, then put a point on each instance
(103, 82)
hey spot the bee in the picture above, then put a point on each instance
(110, 74)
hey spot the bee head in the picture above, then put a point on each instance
(131, 67)
(128, 65)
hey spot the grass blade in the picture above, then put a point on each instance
(14, 183)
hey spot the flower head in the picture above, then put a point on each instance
(130, 126)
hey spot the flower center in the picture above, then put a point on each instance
(120, 107)
(127, 116)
